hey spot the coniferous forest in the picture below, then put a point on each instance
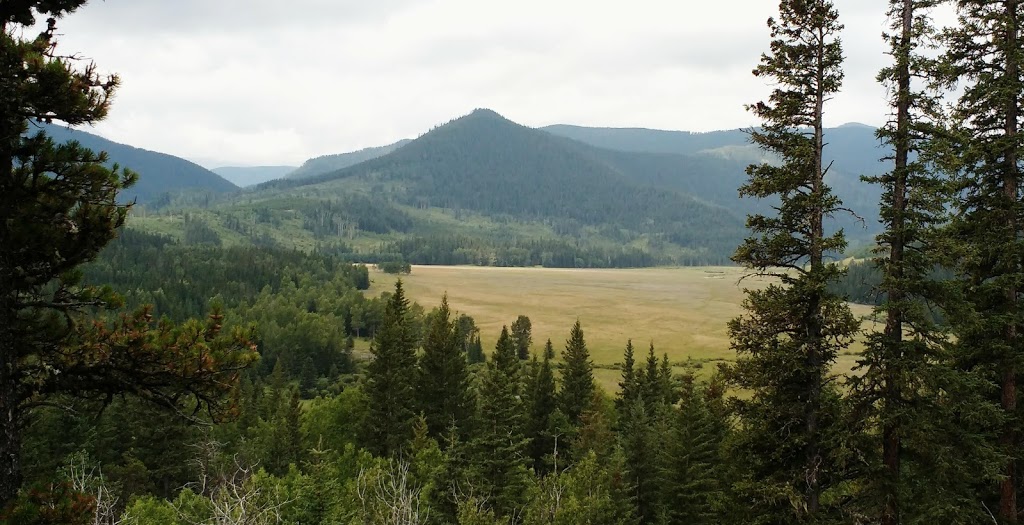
(150, 379)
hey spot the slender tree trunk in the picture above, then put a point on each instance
(814, 347)
(891, 440)
(1008, 487)
(10, 438)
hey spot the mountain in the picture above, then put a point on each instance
(159, 173)
(243, 176)
(328, 163)
(660, 158)
(489, 165)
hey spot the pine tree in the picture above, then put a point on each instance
(984, 52)
(693, 478)
(904, 378)
(500, 446)
(577, 377)
(443, 392)
(522, 335)
(793, 329)
(390, 380)
(58, 208)
(542, 404)
(639, 440)
(629, 384)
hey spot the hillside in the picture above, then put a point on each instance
(661, 158)
(487, 164)
(328, 163)
(243, 176)
(159, 173)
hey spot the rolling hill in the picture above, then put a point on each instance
(489, 165)
(159, 173)
(328, 163)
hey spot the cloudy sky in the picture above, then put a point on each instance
(259, 82)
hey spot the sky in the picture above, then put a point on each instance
(267, 82)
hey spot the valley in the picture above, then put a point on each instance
(683, 311)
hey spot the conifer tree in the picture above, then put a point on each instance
(793, 329)
(58, 208)
(577, 389)
(693, 478)
(500, 447)
(444, 394)
(542, 404)
(522, 335)
(639, 442)
(904, 375)
(629, 384)
(984, 54)
(390, 380)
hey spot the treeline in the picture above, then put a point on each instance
(420, 436)
(307, 307)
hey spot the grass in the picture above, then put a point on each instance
(682, 311)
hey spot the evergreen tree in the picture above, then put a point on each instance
(793, 329)
(542, 404)
(639, 442)
(500, 447)
(629, 384)
(693, 478)
(58, 208)
(522, 335)
(443, 392)
(577, 390)
(904, 384)
(390, 380)
(985, 54)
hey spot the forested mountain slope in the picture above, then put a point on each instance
(243, 176)
(159, 173)
(328, 163)
(487, 164)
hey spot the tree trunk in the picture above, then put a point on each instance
(1008, 487)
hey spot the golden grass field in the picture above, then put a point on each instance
(683, 311)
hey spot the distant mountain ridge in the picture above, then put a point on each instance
(159, 173)
(328, 163)
(244, 176)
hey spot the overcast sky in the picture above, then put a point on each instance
(259, 82)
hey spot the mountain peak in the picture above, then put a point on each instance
(486, 113)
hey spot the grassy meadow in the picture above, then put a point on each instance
(683, 311)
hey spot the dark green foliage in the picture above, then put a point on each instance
(443, 384)
(391, 380)
(694, 480)
(792, 331)
(541, 403)
(500, 461)
(522, 336)
(986, 234)
(577, 391)
(328, 163)
(629, 385)
(395, 267)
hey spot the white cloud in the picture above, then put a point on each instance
(267, 82)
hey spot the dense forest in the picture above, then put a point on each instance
(221, 375)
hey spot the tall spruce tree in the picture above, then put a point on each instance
(500, 447)
(793, 329)
(522, 335)
(542, 404)
(903, 372)
(390, 380)
(58, 209)
(984, 53)
(629, 385)
(444, 394)
(577, 391)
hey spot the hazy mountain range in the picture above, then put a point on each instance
(483, 184)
